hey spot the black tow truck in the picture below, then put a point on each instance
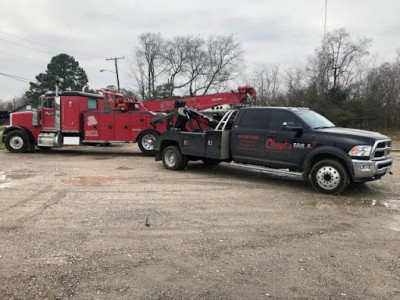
(281, 140)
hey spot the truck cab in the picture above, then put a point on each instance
(291, 140)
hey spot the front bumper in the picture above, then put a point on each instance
(367, 170)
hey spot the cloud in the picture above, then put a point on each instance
(273, 31)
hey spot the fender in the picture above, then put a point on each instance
(167, 139)
(331, 151)
(23, 129)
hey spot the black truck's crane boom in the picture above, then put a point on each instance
(184, 115)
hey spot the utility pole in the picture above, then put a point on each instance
(115, 59)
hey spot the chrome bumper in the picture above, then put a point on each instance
(365, 170)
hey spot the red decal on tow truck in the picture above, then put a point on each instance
(92, 133)
(272, 144)
(248, 137)
(248, 142)
(91, 120)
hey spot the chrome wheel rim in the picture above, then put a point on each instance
(16, 142)
(148, 141)
(328, 177)
(170, 158)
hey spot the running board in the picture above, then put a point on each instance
(279, 172)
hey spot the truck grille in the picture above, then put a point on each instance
(381, 149)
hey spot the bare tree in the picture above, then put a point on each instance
(148, 62)
(3, 105)
(195, 64)
(224, 56)
(337, 63)
(175, 57)
(185, 62)
(295, 78)
(380, 95)
(267, 82)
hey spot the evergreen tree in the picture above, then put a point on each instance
(61, 66)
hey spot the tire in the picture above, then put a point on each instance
(329, 176)
(147, 141)
(173, 159)
(17, 142)
(210, 162)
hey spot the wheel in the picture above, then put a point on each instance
(17, 142)
(147, 141)
(173, 159)
(210, 161)
(329, 176)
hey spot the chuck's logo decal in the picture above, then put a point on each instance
(91, 120)
(273, 145)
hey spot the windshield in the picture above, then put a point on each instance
(314, 120)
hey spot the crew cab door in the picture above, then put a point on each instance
(287, 141)
(248, 136)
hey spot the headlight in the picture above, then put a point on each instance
(360, 151)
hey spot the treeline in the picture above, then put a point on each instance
(339, 80)
(16, 102)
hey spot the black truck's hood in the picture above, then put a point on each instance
(352, 134)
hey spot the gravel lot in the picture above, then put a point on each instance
(73, 226)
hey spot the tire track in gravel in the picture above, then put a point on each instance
(33, 214)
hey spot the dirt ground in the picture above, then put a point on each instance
(73, 226)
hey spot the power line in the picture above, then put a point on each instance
(42, 45)
(27, 40)
(24, 46)
(22, 57)
(19, 78)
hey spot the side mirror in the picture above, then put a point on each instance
(291, 127)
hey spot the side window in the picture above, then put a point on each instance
(278, 117)
(92, 103)
(253, 119)
(48, 103)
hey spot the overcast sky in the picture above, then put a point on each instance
(281, 32)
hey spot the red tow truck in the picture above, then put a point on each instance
(79, 118)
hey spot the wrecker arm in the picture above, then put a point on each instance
(185, 114)
(117, 101)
